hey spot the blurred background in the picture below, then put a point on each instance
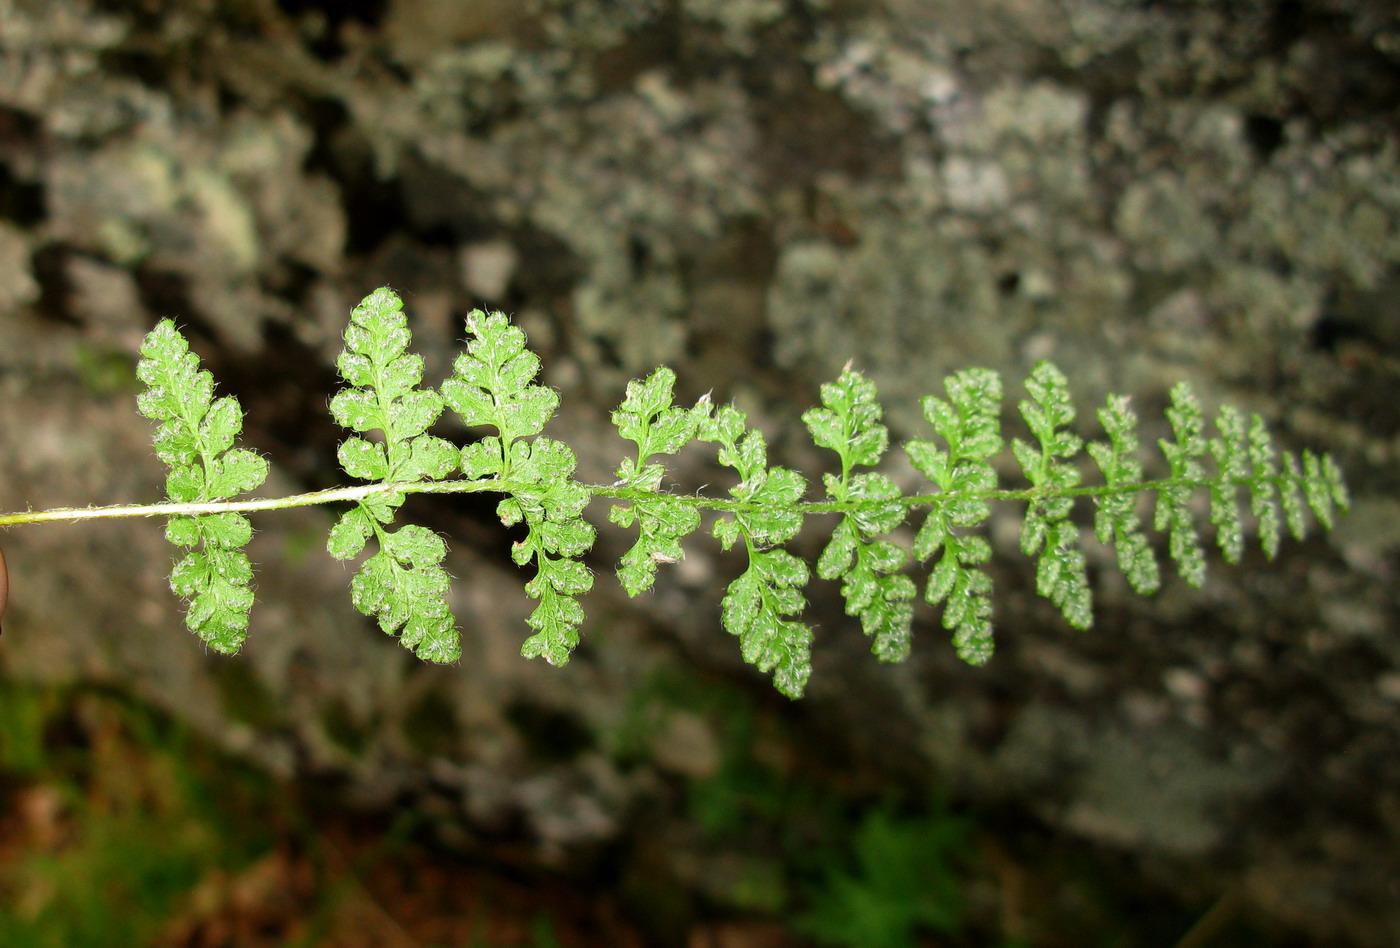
(753, 192)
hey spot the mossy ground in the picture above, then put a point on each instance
(120, 828)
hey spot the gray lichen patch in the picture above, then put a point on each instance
(754, 193)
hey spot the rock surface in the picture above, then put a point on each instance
(753, 192)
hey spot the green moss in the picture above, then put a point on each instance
(105, 372)
(900, 875)
(102, 881)
(23, 715)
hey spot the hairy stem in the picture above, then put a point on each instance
(615, 492)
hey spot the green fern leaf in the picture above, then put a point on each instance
(1231, 453)
(1263, 490)
(1291, 495)
(647, 417)
(970, 423)
(756, 609)
(195, 438)
(758, 603)
(849, 424)
(1322, 487)
(1047, 532)
(404, 584)
(1174, 501)
(770, 495)
(493, 384)
(1116, 521)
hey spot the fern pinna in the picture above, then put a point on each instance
(492, 389)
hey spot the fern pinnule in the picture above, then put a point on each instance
(647, 418)
(874, 590)
(196, 439)
(758, 605)
(403, 584)
(1116, 521)
(1048, 533)
(969, 423)
(1183, 455)
(1231, 454)
(493, 384)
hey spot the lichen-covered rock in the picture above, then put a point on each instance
(754, 192)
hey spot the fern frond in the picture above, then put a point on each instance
(1244, 458)
(493, 384)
